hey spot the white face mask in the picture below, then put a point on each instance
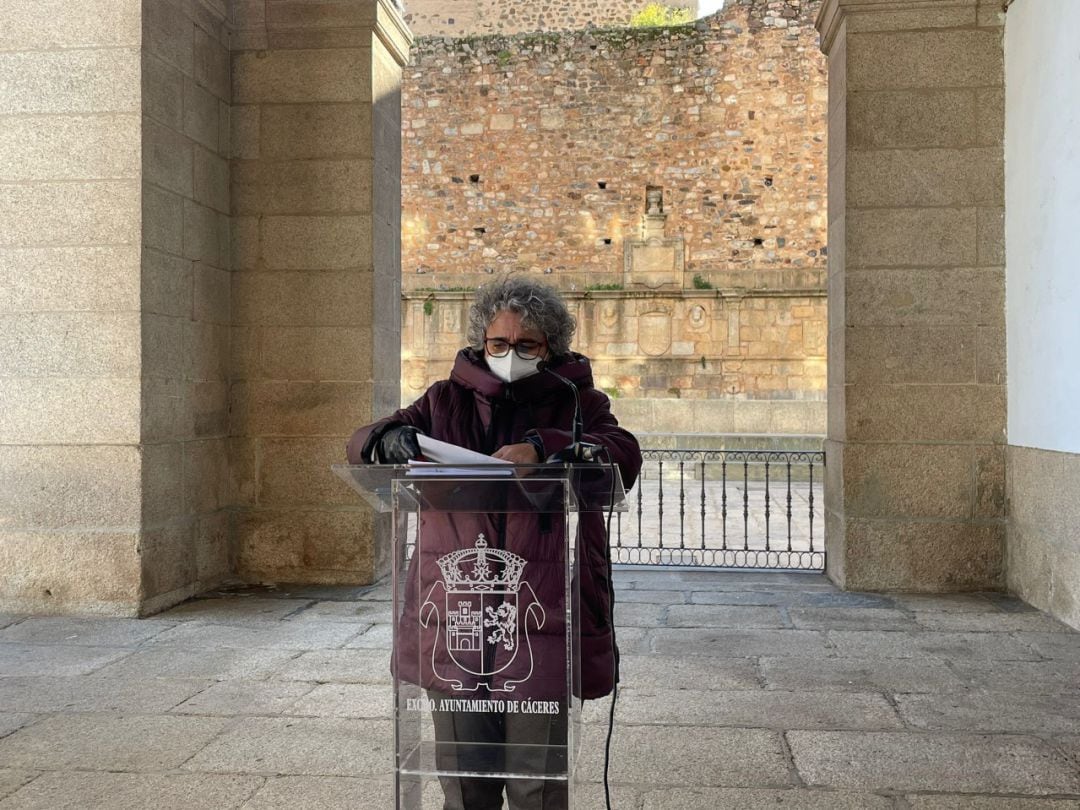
(511, 367)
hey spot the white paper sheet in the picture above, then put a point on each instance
(445, 453)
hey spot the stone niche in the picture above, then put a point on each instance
(653, 260)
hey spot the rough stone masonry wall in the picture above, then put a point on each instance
(534, 153)
(469, 17)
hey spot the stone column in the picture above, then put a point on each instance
(70, 460)
(316, 304)
(915, 487)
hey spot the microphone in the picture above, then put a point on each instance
(577, 450)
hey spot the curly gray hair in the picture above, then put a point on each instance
(539, 305)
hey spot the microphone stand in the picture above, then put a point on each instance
(577, 451)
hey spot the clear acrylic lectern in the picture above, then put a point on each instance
(485, 662)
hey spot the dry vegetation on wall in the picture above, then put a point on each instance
(534, 151)
(467, 17)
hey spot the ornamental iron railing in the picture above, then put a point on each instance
(758, 509)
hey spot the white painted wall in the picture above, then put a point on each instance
(1042, 222)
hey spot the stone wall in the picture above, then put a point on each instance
(70, 320)
(315, 288)
(187, 293)
(185, 289)
(536, 153)
(1042, 174)
(915, 490)
(685, 362)
(469, 17)
(1043, 554)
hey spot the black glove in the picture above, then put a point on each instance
(398, 445)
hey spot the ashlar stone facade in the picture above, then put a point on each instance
(670, 181)
(193, 310)
(915, 494)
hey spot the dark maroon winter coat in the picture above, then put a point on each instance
(477, 410)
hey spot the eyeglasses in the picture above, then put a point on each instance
(525, 349)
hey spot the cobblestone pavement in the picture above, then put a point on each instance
(740, 690)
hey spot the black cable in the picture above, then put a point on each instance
(611, 623)
(607, 746)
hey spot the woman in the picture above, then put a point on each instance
(508, 397)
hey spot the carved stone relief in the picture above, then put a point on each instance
(654, 333)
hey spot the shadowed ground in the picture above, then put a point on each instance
(740, 690)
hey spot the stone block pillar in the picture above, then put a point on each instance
(915, 487)
(315, 288)
(186, 545)
(70, 460)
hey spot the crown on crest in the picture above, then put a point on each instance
(482, 568)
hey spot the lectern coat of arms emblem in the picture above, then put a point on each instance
(481, 610)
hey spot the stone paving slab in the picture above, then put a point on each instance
(300, 746)
(46, 660)
(84, 632)
(88, 694)
(989, 803)
(851, 618)
(677, 756)
(710, 713)
(725, 616)
(134, 791)
(1008, 603)
(750, 799)
(627, 595)
(812, 596)
(859, 674)
(353, 612)
(108, 742)
(634, 640)
(590, 796)
(345, 700)
(700, 580)
(1070, 745)
(944, 602)
(330, 593)
(967, 646)
(381, 592)
(1055, 646)
(991, 622)
(640, 614)
(1015, 711)
(236, 609)
(339, 666)
(904, 761)
(688, 672)
(232, 698)
(11, 722)
(322, 793)
(376, 637)
(1037, 676)
(12, 780)
(736, 643)
(209, 664)
(746, 708)
(267, 636)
